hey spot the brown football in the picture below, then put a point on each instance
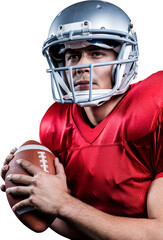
(42, 157)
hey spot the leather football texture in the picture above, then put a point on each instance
(42, 157)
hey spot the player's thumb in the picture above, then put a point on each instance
(59, 170)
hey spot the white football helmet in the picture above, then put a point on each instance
(91, 23)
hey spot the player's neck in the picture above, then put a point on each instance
(97, 114)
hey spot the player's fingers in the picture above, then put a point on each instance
(3, 188)
(8, 159)
(58, 167)
(6, 162)
(20, 178)
(10, 156)
(13, 150)
(18, 190)
(4, 171)
(30, 167)
(23, 206)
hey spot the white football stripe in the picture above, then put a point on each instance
(32, 146)
(25, 210)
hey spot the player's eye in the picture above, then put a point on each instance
(72, 59)
(97, 54)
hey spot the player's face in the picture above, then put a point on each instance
(92, 54)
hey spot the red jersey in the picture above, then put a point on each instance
(112, 165)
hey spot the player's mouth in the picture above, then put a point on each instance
(82, 85)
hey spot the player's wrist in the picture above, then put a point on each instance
(66, 207)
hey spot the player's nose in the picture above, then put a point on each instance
(84, 60)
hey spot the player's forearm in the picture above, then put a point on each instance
(66, 230)
(98, 225)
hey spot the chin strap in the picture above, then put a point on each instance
(87, 101)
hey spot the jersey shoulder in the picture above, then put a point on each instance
(53, 124)
(149, 89)
(144, 106)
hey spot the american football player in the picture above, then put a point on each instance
(105, 131)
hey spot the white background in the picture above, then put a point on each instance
(25, 92)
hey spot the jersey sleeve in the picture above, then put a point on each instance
(158, 146)
(47, 128)
(52, 127)
(145, 120)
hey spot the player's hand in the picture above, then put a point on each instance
(5, 167)
(44, 191)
